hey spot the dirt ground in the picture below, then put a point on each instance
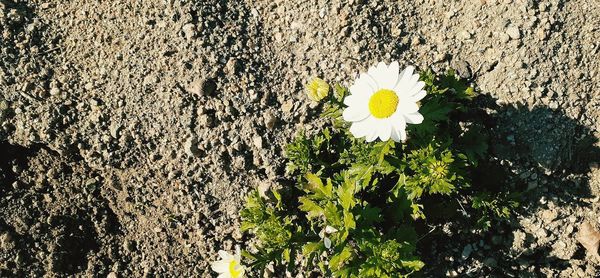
(131, 131)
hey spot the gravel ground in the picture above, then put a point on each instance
(132, 130)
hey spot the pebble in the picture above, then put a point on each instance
(191, 147)
(189, 30)
(466, 252)
(232, 66)
(257, 141)
(504, 38)
(202, 87)
(54, 91)
(112, 275)
(491, 262)
(549, 215)
(270, 120)
(513, 32)
(287, 106)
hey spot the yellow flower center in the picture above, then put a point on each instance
(383, 103)
(232, 269)
(438, 169)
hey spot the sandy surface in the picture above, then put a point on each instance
(130, 131)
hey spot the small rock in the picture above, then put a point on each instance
(270, 120)
(466, 252)
(202, 87)
(549, 215)
(129, 245)
(491, 262)
(287, 106)
(54, 91)
(6, 241)
(513, 32)
(112, 275)
(504, 38)
(115, 129)
(257, 141)
(531, 185)
(189, 30)
(191, 147)
(462, 69)
(232, 66)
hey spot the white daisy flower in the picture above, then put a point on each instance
(229, 266)
(382, 101)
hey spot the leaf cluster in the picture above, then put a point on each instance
(356, 203)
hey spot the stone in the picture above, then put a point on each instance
(189, 30)
(270, 120)
(466, 252)
(202, 87)
(513, 32)
(191, 147)
(257, 141)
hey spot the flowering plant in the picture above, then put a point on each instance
(362, 181)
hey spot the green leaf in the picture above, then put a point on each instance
(315, 185)
(337, 261)
(311, 247)
(345, 193)
(413, 264)
(312, 209)
(435, 110)
(349, 222)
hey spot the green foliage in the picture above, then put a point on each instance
(353, 210)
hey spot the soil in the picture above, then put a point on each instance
(131, 131)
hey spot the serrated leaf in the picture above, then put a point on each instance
(338, 260)
(311, 208)
(413, 264)
(311, 247)
(345, 193)
(316, 186)
(333, 215)
(369, 215)
(436, 111)
(349, 222)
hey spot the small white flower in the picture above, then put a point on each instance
(229, 266)
(382, 101)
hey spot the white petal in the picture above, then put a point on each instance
(385, 131)
(224, 255)
(406, 106)
(238, 254)
(418, 96)
(369, 80)
(385, 76)
(220, 266)
(241, 269)
(224, 275)
(394, 68)
(404, 77)
(373, 134)
(398, 129)
(327, 242)
(413, 118)
(417, 88)
(362, 128)
(356, 113)
(360, 88)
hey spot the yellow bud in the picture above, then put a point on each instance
(317, 89)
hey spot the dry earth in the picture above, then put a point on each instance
(132, 130)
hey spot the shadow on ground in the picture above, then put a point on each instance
(536, 155)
